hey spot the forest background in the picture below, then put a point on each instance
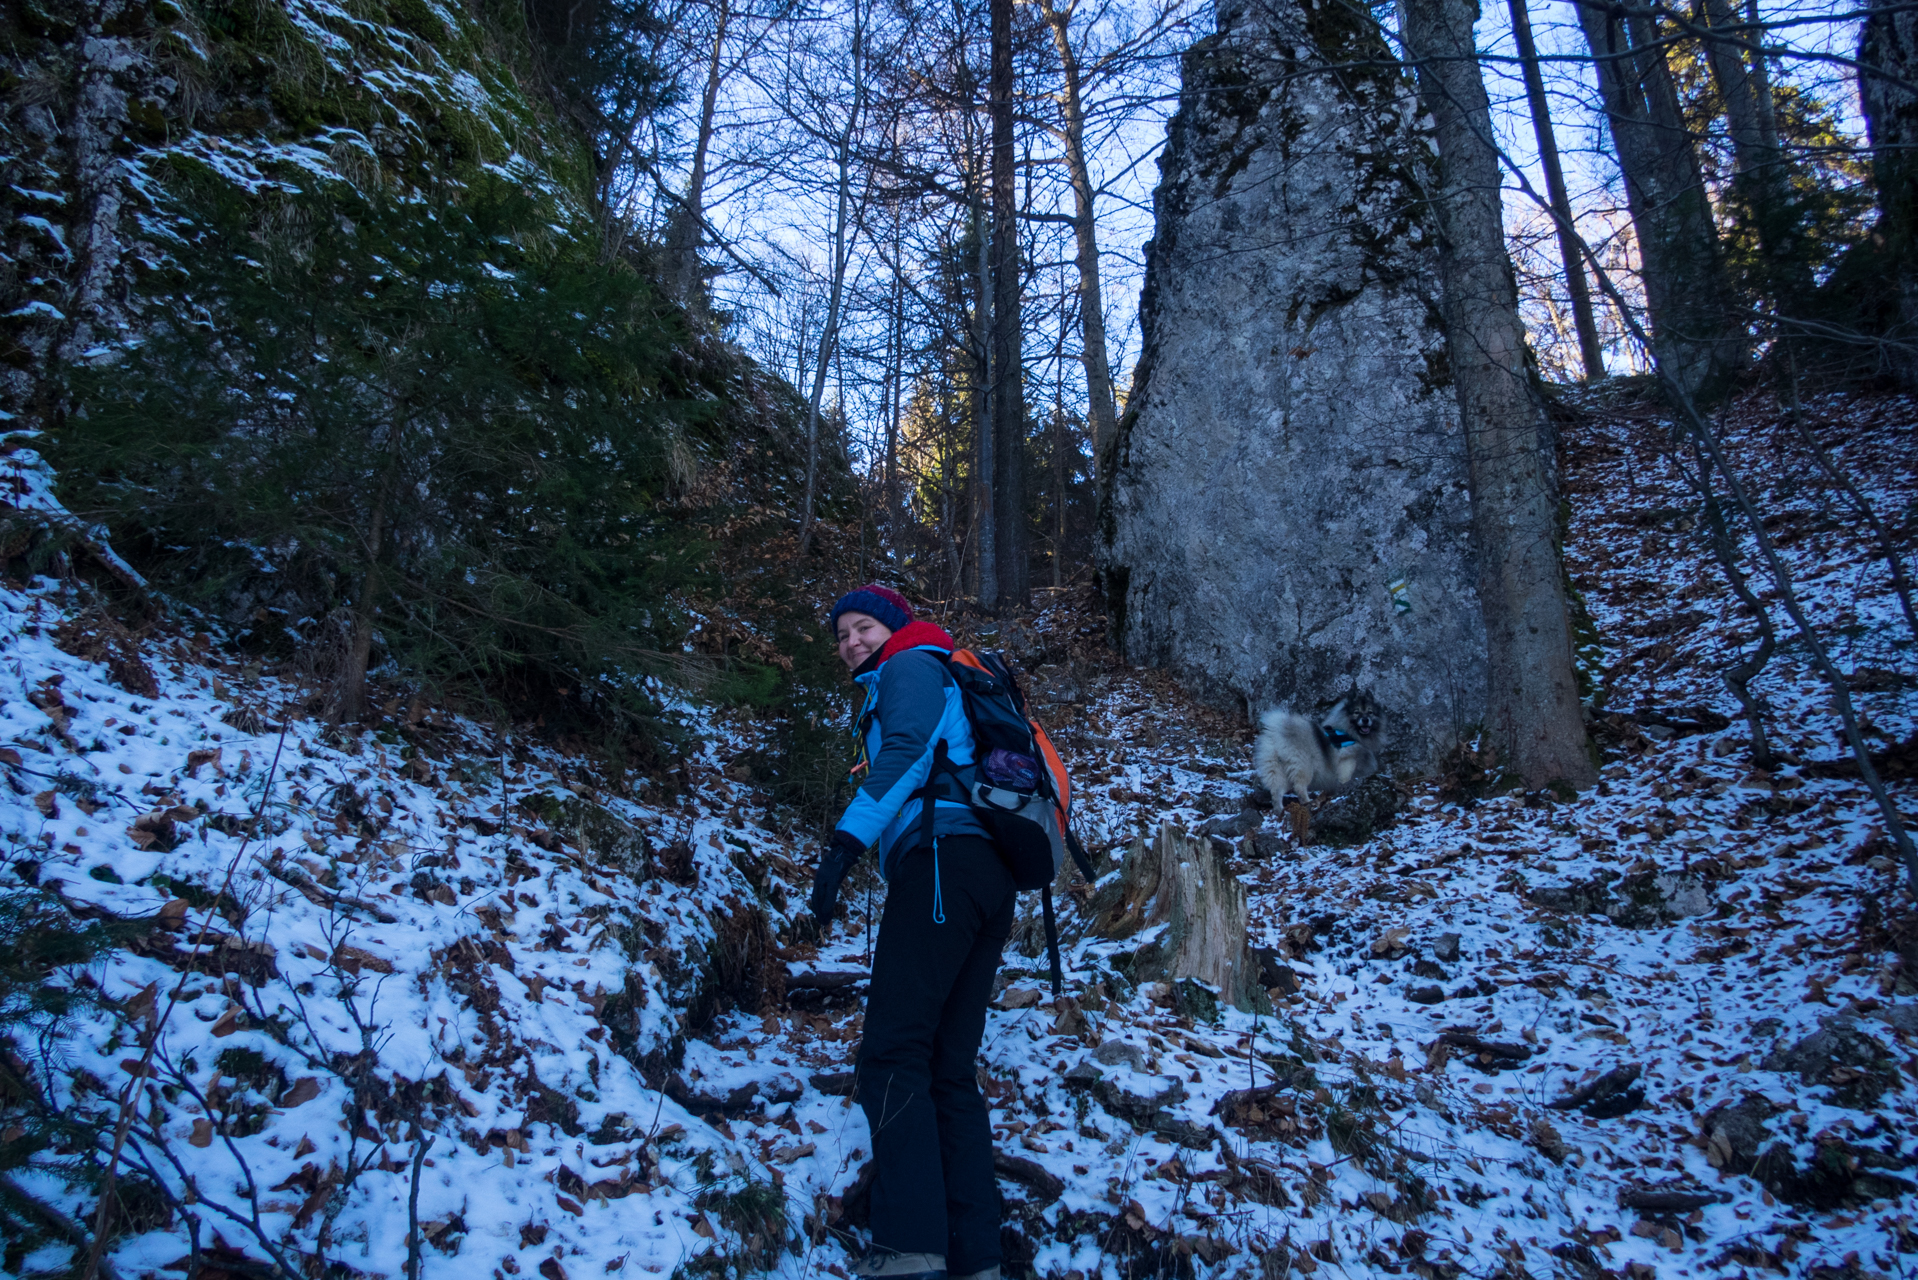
(840, 162)
(476, 376)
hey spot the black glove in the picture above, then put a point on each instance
(834, 863)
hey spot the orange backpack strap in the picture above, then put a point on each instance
(1061, 784)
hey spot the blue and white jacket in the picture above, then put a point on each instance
(911, 704)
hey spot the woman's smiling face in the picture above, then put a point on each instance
(860, 636)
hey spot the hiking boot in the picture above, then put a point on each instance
(900, 1266)
(990, 1273)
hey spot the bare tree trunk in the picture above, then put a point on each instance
(1590, 350)
(1011, 537)
(985, 393)
(1761, 85)
(896, 371)
(1101, 411)
(1695, 325)
(1761, 178)
(683, 236)
(1888, 50)
(1532, 710)
(1739, 675)
(841, 256)
(359, 647)
(1735, 89)
(1059, 449)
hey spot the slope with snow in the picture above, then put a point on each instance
(592, 1001)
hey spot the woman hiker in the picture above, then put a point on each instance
(949, 905)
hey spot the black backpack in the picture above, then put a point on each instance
(1018, 787)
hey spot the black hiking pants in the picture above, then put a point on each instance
(933, 1189)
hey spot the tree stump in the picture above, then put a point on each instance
(1183, 891)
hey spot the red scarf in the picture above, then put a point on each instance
(911, 636)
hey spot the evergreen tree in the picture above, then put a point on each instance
(431, 427)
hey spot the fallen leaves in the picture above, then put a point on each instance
(302, 1091)
(353, 959)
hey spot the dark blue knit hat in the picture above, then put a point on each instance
(883, 603)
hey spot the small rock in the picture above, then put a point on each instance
(1446, 948)
(1643, 899)
(1902, 1018)
(1423, 968)
(1145, 1108)
(1353, 816)
(1117, 1052)
(1840, 1054)
(1611, 1095)
(1191, 999)
(1052, 683)
(1548, 1141)
(1266, 844)
(1240, 824)
(1390, 945)
(1276, 975)
(1734, 1133)
(1426, 995)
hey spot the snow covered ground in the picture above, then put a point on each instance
(350, 942)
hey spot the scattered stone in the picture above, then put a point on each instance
(1645, 898)
(1488, 1056)
(1275, 975)
(1357, 814)
(1611, 1095)
(1902, 1018)
(1426, 995)
(1679, 722)
(1045, 1185)
(1669, 1197)
(1446, 948)
(1114, 1053)
(832, 980)
(1546, 1138)
(1243, 823)
(834, 1084)
(1193, 999)
(1055, 684)
(1143, 1101)
(735, 1102)
(1263, 844)
(1840, 1173)
(1735, 1131)
(1390, 945)
(1423, 968)
(1840, 1054)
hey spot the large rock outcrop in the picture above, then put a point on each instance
(1290, 454)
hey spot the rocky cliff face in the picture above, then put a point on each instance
(1286, 510)
(105, 104)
